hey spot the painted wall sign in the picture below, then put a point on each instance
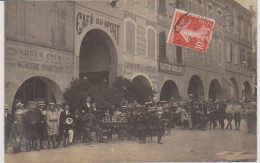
(170, 68)
(140, 68)
(39, 59)
(83, 20)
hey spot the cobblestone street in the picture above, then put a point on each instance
(181, 145)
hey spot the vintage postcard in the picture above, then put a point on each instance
(130, 81)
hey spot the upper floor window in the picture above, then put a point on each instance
(236, 54)
(151, 4)
(211, 50)
(200, 7)
(162, 7)
(235, 24)
(178, 54)
(190, 5)
(229, 52)
(249, 61)
(249, 31)
(130, 37)
(219, 51)
(243, 58)
(242, 30)
(210, 11)
(151, 43)
(162, 46)
(219, 19)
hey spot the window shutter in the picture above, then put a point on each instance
(228, 52)
(162, 45)
(151, 43)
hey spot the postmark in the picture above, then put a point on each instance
(190, 30)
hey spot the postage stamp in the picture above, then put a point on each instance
(190, 30)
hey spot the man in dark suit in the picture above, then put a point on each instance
(67, 123)
(87, 105)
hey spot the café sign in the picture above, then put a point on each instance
(83, 20)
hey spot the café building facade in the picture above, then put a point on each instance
(49, 44)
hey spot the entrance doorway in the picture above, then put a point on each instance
(215, 91)
(97, 58)
(235, 93)
(169, 90)
(196, 88)
(38, 88)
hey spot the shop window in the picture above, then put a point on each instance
(151, 43)
(162, 45)
(130, 37)
(162, 7)
(151, 4)
(178, 54)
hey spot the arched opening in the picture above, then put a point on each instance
(247, 92)
(235, 91)
(38, 88)
(97, 60)
(215, 91)
(169, 90)
(196, 87)
(143, 80)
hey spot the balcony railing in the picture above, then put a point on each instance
(172, 68)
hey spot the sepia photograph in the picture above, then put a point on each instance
(130, 81)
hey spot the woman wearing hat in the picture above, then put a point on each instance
(53, 124)
(18, 127)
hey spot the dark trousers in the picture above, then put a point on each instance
(237, 118)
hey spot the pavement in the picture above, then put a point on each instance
(181, 145)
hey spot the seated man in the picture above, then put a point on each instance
(89, 124)
(184, 115)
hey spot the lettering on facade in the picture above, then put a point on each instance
(36, 59)
(85, 20)
(170, 68)
(140, 68)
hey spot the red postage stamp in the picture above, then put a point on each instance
(190, 30)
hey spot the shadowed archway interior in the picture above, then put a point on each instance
(215, 91)
(97, 61)
(169, 90)
(196, 88)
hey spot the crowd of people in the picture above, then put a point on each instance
(37, 122)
